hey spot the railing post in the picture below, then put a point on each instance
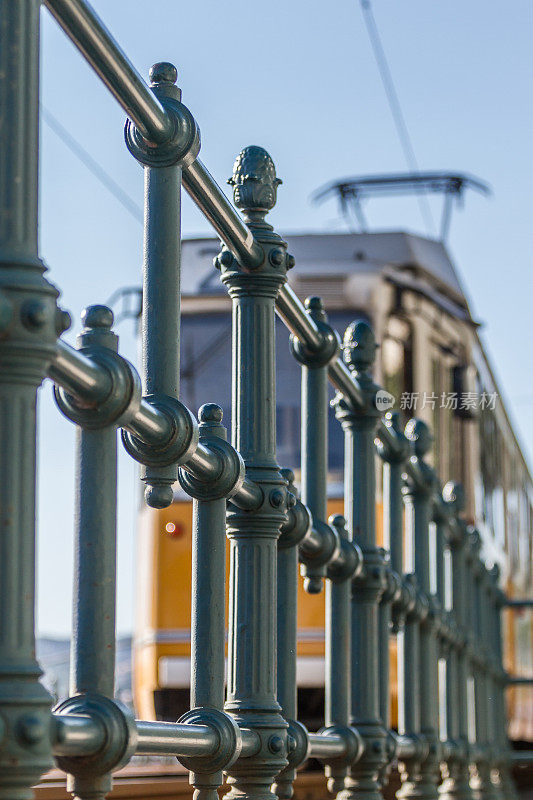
(92, 661)
(252, 691)
(392, 606)
(29, 324)
(315, 437)
(160, 324)
(481, 783)
(491, 688)
(208, 601)
(364, 778)
(418, 498)
(456, 785)
(384, 630)
(447, 638)
(506, 783)
(287, 608)
(338, 659)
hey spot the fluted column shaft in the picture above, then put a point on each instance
(28, 322)
(252, 646)
(456, 785)
(422, 780)
(365, 775)
(421, 774)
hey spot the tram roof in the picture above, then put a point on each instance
(338, 253)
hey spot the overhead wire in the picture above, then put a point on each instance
(92, 165)
(395, 107)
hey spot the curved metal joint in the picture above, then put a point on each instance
(353, 746)
(299, 520)
(412, 747)
(393, 590)
(315, 552)
(123, 400)
(298, 744)
(119, 740)
(329, 348)
(393, 448)
(230, 477)
(405, 605)
(453, 500)
(415, 602)
(181, 443)
(420, 478)
(298, 753)
(183, 144)
(433, 617)
(348, 563)
(446, 631)
(372, 578)
(229, 740)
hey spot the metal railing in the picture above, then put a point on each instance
(251, 732)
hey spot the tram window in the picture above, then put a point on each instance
(486, 468)
(336, 446)
(436, 390)
(397, 358)
(524, 553)
(529, 533)
(513, 519)
(492, 465)
(447, 447)
(457, 461)
(288, 435)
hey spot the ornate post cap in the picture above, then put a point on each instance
(183, 144)
(163, 72)
(453, 493)
(358, 352)
(255, 184)
(359, 346)
(421, 484)
(474, 541)
(420, 436)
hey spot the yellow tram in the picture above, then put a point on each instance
(431, 359)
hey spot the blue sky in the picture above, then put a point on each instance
(298, 78)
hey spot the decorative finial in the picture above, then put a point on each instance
(97, 317)
(359, 346)
(210, 412)
(158, 496)
(288, 475)
(163, 72)
(254, 182)
(338, 521)
(475, 540)
(420, 436)
(453, 493)
(314, 304)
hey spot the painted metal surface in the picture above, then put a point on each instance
(251, 733)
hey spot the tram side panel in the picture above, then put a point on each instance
(162, 636)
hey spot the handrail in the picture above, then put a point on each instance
(88, 33)
(86, 30)
(90, 382)
(223, 216)
(91, 734)
(99, 48)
